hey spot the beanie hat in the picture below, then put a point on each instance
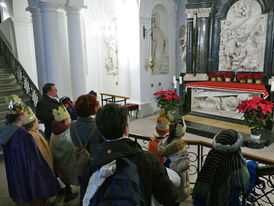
(60, 114)
(162, 126)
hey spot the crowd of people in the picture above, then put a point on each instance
(94, 152)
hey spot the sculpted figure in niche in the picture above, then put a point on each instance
(111, 45)
(243, 37)
(159, 47)
(182, 41)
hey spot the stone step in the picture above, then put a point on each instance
(9, 85)
(17, 90)
(5, 75)
(3, 106)
(2, 123)
(4, 70)
(7, 80)
(3, 115)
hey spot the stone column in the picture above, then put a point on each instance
(38, 42)
(189, 46)
(76, 51)
(51, 42)
(203, 40)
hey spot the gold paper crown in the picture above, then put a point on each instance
(180, 128)
(16, 106)
(61, 113)
(30, 115)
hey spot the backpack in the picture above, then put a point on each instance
(82, 154)
(123, 188)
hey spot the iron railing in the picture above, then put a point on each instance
(19, 72)
(262, 194)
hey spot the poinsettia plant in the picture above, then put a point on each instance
(167, 100)
(250, 76)
(258, 76)
(220, 74)
(212, 74)
(229, 75)
(257, 112)
(241, 76)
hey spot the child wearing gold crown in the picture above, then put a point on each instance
(30, 179)
(63, 151)
(173, 150)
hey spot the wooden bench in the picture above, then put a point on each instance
(105, 98)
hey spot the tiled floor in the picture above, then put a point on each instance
(146, 127)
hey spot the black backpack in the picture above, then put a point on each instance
(123, 188)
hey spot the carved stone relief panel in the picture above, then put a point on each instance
(243, 38)
(159, 57)
(111, 47)
(219, 103)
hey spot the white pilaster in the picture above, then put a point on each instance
(76, 50)
(51, 41)
(38, 42)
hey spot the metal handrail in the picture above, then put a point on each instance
(262, 194)
(19, 72)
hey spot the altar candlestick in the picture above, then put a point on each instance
(181, 80)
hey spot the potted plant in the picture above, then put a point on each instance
(167, 100)
(212, 76)
(250, 77)
(220, 76)
(241, 77)
(229, 76)
(257, 114)
(258, 78)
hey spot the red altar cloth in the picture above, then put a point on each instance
(256, 88)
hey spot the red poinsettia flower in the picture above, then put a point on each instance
(167, 100)
(212, 74)
(258, 76)
(257, 112)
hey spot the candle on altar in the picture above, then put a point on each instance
(181, 80)
(175, 82)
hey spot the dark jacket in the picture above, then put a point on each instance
(153, 173)
(44, 112)
(84, 127)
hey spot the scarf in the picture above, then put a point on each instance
(224, 174)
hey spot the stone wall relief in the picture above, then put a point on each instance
(243, 37)
(111, 47)
(182, 43)
(219, 103)
(159, 58)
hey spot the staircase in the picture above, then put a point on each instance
(8, 86)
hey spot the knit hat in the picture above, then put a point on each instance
(60, 114)
(16, 105)
(162, 126)
(180, 127)
(30, 115)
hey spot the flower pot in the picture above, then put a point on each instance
(227, 79)
(220, 79)
(255, 133)
(213, 79)
(249, 81)
(258, 81)
(242, 80)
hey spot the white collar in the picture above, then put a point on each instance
(112, 140)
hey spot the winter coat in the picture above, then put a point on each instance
(176, 157)
(153, 173)
(84, 128)
(44, 112)
(63, 152)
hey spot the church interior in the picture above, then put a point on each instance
(215, 55)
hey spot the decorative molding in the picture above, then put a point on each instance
(191, 12)
(204, 12)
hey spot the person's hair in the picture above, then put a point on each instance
(47, 87)
(93, 93)
(172, 130)
(85, 105)
(111, 120)
(29, 125)
(11, 118)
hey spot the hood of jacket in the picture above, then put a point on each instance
(6, 132)
(58, 127)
